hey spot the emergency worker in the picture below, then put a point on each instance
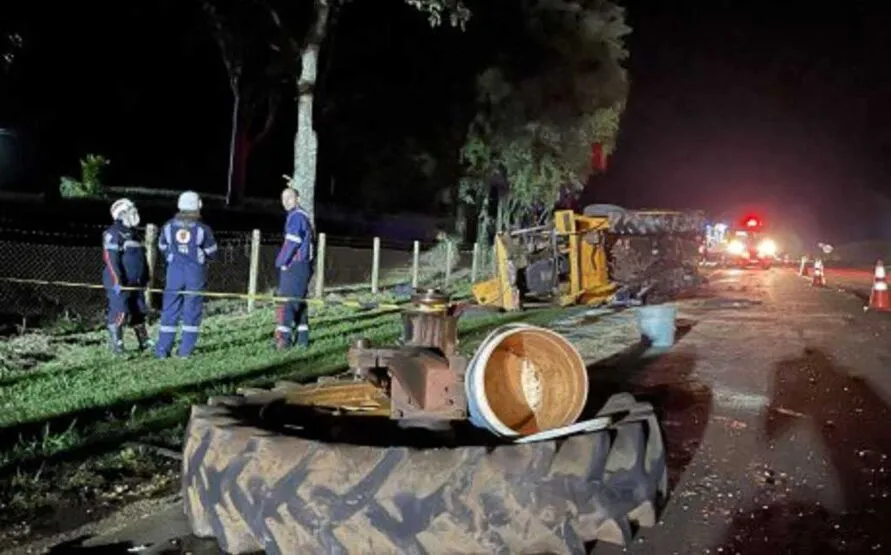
(294, 263)
(125, 265)
(186, 243)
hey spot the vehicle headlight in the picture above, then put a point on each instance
(736, 247)
(767, 248)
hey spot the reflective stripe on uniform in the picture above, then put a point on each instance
(302, 327)
(211, 249)
(109, 241)
(167, 329)
(130, 244)
(292, 237)
(191, 329)
(282, 329)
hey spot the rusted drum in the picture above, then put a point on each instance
(525, 379)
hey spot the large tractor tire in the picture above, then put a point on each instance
(363, 485)
(647, 222)
(652, 251)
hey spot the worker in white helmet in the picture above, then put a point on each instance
(186, 243)
(124, 265)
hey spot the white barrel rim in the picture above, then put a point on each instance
(478, 378)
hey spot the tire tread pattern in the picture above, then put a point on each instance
(641, 222)
(253, 490)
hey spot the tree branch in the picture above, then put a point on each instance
(320, 25)
(322, 80)
(277, 21)
(231, 59)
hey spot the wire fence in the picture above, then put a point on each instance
(68, 264)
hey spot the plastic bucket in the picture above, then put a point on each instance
(657, 323)
(524, 380)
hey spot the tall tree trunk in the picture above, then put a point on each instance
(461, 221)
(236, 108)
(306, 144)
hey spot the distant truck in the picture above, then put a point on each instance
(747, 245)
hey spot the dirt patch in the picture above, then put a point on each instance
(601, 336)
(23, 353)
(72, 540)
(42, 504)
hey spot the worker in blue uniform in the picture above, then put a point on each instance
(124, 266)
(294, 263)
(186, 244)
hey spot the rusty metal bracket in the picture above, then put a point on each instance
(423, 377)
(425, 385)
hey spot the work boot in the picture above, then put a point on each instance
(302, 339)
(282, 338)
(142, 337)
(116, 340)
(166, 338)
(281, 342)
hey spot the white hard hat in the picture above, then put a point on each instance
(189, 202)
(124, 210)
(120, 206)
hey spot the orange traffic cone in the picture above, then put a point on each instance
(818, 280)
(802, 270)
(879, 298)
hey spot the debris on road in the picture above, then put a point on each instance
(731, 423)
(789, 412)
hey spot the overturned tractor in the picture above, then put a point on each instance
(418, 449)
(604, 255)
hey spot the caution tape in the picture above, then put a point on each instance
(215, 294)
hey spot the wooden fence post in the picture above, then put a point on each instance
(320, 266)
(375, 265)
(448, 264)
(254, 268)
(151, 258)
(415, 262)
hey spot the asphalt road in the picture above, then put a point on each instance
(855, 280)
(775, 406)
(777, 420)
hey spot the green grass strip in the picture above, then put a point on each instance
(155, 396)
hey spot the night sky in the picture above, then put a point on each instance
(734, 106)
(757, 106)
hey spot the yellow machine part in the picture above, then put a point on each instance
(589, 281)
(358, 397)
(582, 239)
(500, 291)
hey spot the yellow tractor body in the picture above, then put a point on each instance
(569, 262)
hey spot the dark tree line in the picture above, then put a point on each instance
(428, 98)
